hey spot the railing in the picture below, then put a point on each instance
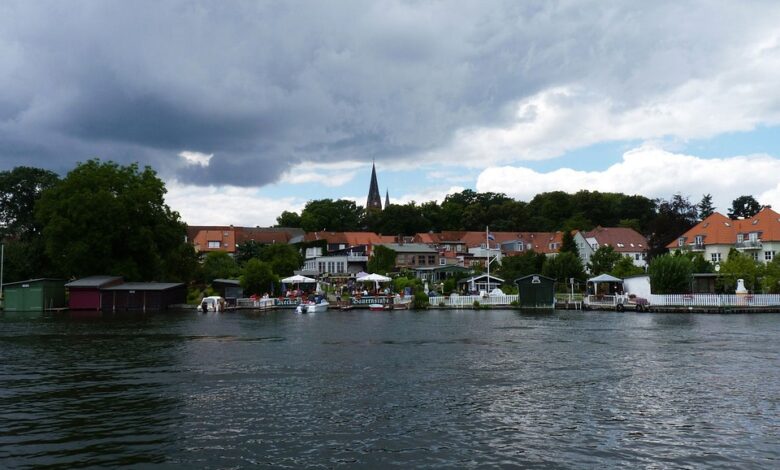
(692, 247)
(461, 301)
(561, 297)
(603, 300)
(715, 300)
(749, 244)
(255, 303)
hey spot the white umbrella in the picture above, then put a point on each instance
(297, 279)
(373, 278)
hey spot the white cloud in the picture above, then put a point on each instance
(226, 205)
(739, 94)
(651, 172)
(196, 158)
(330, 179)
(431, 194)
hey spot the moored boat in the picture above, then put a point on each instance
(313, 307)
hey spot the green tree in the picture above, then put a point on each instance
(698, 263)
(20, 190)
(326, 214)
(517, 266)
(603, 260)
(770, 281)
(705, 207)
(288, 219)
(219, 265)
(258, 278)
(562, 267)
(624, 267)
(248, 250)
(670, 274)
(744, 207)
(738, 266)
(103, 218)
(284, 259)
(673, 218)
(568, 245)
(382, 260)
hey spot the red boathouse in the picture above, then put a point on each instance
(84, 294)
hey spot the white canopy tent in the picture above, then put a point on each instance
(604, 279)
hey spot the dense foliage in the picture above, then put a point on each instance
(258, 278)
(670, 274)
(603, 260)
(111, 219)
(744, 207)
(382, 260)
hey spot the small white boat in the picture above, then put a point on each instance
(213, 303)
(312, 307)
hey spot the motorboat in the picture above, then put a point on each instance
(212, 303)
(377, 307)
(313, 307)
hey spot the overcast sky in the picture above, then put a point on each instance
(246, 109)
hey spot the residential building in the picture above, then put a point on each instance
(715, 236)
(413, 255)
(227, 238)
(626, 241)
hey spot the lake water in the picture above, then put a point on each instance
(429, 389)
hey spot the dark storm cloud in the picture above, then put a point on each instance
(264, 86)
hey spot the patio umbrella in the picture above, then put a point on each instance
(375, 278)
(297, 279)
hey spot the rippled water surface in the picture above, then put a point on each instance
(447, 389)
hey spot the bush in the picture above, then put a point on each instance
(421, 300)
(476, 304)
(670, 275)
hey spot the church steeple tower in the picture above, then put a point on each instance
(387, 198)
(374, 200)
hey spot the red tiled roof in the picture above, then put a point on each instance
(718, 229)
(347, 238)
(622, 239)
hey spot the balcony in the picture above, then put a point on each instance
(749, 245)
(693, 247)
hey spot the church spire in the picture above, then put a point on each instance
(387, 198)
(374, 200)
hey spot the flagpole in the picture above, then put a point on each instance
(487, 257)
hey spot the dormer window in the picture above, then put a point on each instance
(753, 236)
(681, 241)
(520, 246)
(740, 238)
(699, 240)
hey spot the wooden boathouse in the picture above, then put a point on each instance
(34, 295)
(84, 293)
(142, 296)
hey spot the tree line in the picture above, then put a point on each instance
(660, 220)
(106, 218)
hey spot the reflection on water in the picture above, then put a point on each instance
(432, 389)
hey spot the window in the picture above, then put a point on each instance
(681, 241)
(740, 238)
(520, 246)
(755, 256)
(637, 256)
(442, 261)
(715, 257)
(421, 260)
(699, 240)
(214, 244)
(753, 236)
(431, 259)
(620, 245)
(768, 255)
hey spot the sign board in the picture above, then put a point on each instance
(536, 280)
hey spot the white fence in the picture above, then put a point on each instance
(260, 304)
(715, 300)
(463, 301)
